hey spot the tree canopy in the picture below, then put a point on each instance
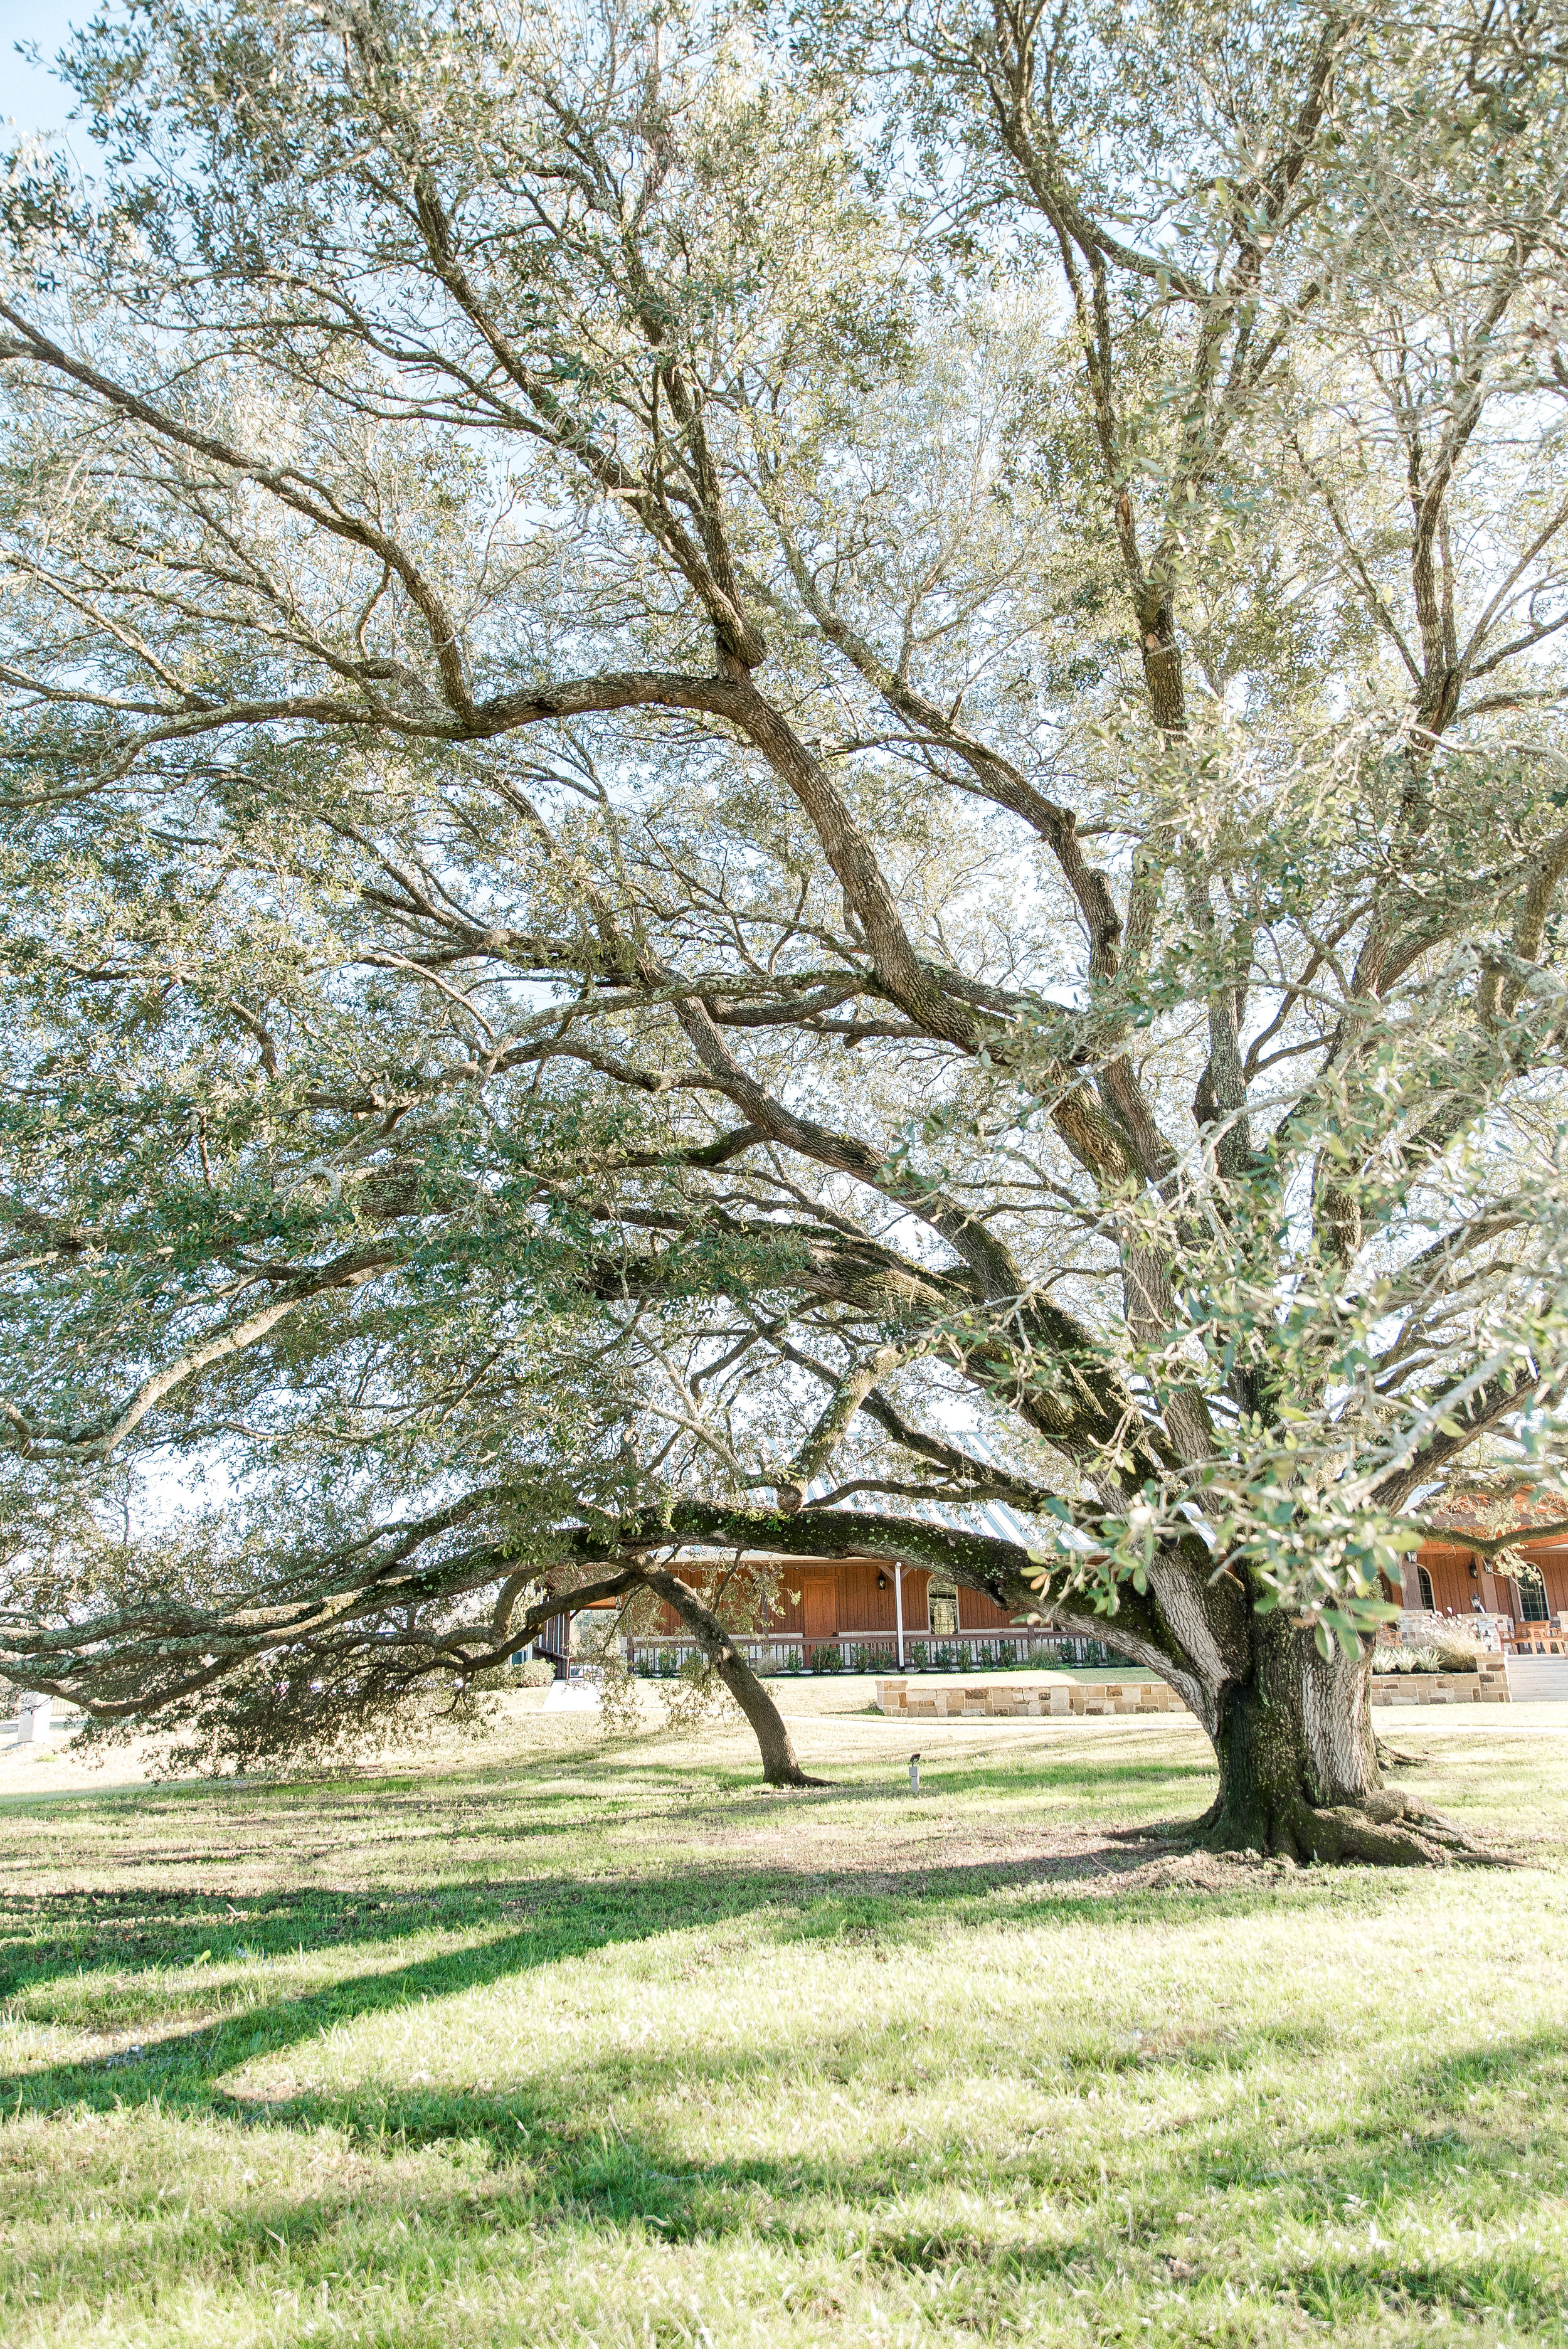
(761, 775)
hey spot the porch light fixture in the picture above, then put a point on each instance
(881, 1581)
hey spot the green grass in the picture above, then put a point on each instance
(546, 2041)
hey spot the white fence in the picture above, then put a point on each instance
(865, 1651)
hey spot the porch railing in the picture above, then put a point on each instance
(785, 1654)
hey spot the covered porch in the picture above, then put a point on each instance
(1450, 1580)
(870, 1615)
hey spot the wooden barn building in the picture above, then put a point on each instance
(869, 1613)
(872, 1614)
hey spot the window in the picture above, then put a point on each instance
(1533, 1607)
(944, 1611)
(1425, 1579)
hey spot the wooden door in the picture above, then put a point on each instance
(819, 1606)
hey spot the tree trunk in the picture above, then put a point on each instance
(1292, 1730)
(1294, 1738)
(1298, 1762)
(779, 1766)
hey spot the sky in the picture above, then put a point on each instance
(31, 99)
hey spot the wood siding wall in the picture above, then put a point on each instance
(978, 1613)
(842, 1600)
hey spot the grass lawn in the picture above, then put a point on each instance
(543, 2040)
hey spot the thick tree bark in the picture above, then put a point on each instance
(1293, 1737)
(779, 1765)
(1292, 1730)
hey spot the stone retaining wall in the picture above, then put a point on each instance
(1024, 1700)
(1061, 1699)
(1489, 1686)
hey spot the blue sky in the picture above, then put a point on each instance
(30, 98)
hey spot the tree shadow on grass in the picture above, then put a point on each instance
(1113, 2205)
(69, 1934)
(488, 1802)
(131, 1942)
(150, 1932)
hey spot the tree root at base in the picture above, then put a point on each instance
(1386, 1830)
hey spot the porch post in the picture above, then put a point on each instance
(898, 1607)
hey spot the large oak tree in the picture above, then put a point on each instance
(760, 779)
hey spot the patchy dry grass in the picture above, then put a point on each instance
(547, 2042)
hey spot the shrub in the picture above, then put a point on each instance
(1445, 1656)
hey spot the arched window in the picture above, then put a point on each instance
(944, 1605)
(1425, 1579)
(1533, 1607)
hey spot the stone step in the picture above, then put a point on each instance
(1534, 1680)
